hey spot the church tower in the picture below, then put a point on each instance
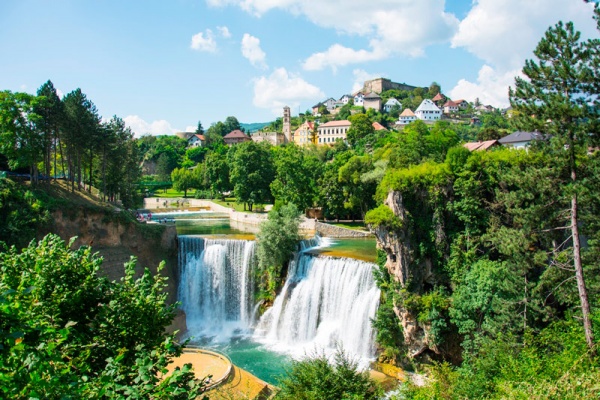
(287, 125)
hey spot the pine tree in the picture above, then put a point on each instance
(557, 99)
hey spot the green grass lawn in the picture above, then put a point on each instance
(230, 202)
(172, 193)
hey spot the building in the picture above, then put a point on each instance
(428, 111)
(275, 138)
(481, 146)
(520, 140)
(372, 100)
(462, 104)
(196, 141)
(305, 134)
(359, 99)
(439, 99)
(379, 85)
(235, 137)
(450, 107)
(390, 104)
(331, 131)
(345, 99)
(287, 124)
(329, 103)
(378, 127)
(406, 117)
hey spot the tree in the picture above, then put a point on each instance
(251, 172)
(557, 98)
(295, 176)
(231, 124)
(67, 331)
(361, 127)
(216, 170)
(51, 112)
(319, 378)
(276, 242)
(199, 129)
(20, 141)
(184, 179)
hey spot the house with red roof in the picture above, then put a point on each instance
(235, 137)
(450, 107)
(196, 140)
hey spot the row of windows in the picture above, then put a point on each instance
(332, 131)
(328, 140)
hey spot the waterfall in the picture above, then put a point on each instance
(216, 287)
(326, 302)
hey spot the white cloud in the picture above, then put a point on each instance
(154, 128)
(282, 88)
(224, 31)
(204, 41)
(504, 34)
(360, 76)
(491, 87)
(338, 55)
(252, 51)
(190, 128)
(59, 93)
(393, 27)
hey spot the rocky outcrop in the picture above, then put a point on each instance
(117, 239)
(413, 272)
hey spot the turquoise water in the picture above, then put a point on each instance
(254, 358)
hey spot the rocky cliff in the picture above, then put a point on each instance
(415, 247)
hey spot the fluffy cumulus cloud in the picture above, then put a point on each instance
(204, 41)
(282, 88)
(504, 34)
(141, 127)
(252, 51)
(224, 31)
(392, 27)
(491, 87)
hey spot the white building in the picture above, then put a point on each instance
(359, 99)
(390, 104)
(406, 117)
(331, 131)
(345, 99)
(428, 111)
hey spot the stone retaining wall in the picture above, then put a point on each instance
(328, 230)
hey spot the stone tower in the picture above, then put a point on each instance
(287, 125)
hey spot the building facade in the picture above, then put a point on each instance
(331, 131)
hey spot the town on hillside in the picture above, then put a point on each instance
(389, 105)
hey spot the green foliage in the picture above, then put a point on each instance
(361, 127)
(383, 216)
(276, 241)
(21, 214)
(68, 332)
(251, 172)
(318, 378)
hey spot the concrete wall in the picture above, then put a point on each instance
(339, 232)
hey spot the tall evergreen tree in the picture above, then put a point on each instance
(557, 99)
(51, 112)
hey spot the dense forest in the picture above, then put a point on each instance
(489, 259)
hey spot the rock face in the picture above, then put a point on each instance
(414, 275)
(117, 240)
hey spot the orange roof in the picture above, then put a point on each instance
(450, 103)
(235, 134)
(480, 145)
(407, 113)
(439, 97)
(378, 127)
(333, 124)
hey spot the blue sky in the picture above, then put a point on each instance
(164, 65)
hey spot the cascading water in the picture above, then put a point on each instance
(325, 303)
(215, 286)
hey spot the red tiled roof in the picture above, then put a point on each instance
(378, 127)
(235, 134)
(439, 97)
(407, 113)
(333, 124)
(450, 103)
(480, 145)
